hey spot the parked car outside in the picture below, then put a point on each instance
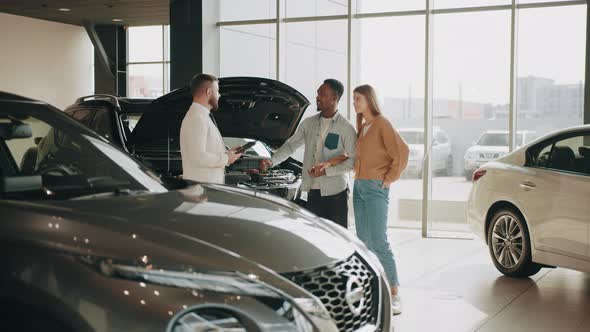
(441, 155)
(491, 145)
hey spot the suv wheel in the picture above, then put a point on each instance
(510, 245)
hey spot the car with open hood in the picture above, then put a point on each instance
(250, 108)
(93, 240)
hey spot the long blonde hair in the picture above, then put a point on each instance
(369, 93)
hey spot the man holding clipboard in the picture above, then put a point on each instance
(204, 156)
(325, 135)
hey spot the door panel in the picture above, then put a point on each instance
(557, 208)
(556, 196)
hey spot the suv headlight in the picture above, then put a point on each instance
(359, 246)
(470, 155)
(216, 316)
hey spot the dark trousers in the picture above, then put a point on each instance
(333, 207)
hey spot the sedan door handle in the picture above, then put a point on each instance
(527, 186)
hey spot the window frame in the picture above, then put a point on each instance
(533, 151)
(164, 62)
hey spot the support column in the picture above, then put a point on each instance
(110, 58)
(587, 70)
(186, 41)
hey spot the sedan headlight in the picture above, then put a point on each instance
(311, 307)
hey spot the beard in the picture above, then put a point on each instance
(214, 103)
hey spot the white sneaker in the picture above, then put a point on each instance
(396, 305)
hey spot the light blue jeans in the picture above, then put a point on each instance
(371, 204)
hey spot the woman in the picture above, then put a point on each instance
(381, 156)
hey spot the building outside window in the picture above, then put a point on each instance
(148, 64)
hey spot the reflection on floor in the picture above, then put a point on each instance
(451, 285)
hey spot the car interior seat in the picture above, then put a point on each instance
(585, 159)
(29, 161)
(563, 158)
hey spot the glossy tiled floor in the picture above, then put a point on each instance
(451, 285)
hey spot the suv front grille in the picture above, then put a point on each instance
(329, 284)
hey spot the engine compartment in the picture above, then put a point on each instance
(283, 180)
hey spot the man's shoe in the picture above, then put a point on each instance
(396, 305)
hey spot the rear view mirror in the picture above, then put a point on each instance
(17, 184)
(15, 130)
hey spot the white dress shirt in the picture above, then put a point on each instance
(202, 147)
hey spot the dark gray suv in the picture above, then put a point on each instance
(92, 240)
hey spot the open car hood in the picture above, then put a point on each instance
(249, 107)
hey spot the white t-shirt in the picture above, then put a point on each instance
(324, 126)
(366, 128)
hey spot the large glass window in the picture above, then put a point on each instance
(470, 76)
(395, 68)
(305, 8)
(538, 1)
(550, 87)
(313, 52)
(379, 6)
(236, 10)
(145, 80)
(254, 45)
(440, 4)
(148, 61)
(146, 43)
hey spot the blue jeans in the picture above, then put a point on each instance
(371, 204)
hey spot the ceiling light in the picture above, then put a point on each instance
(117, 20)
(64, 9)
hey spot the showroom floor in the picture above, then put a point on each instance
(451, 285)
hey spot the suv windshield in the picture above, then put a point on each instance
(53, 157)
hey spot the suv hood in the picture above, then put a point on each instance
(268, 231)
(249, 107)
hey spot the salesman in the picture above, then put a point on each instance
(203, 151)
